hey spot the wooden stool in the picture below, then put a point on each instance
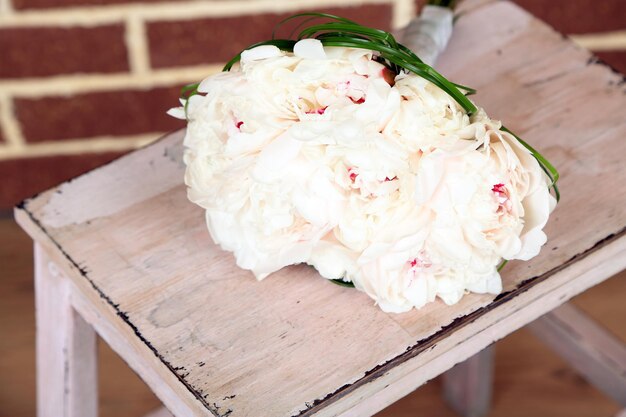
(121, 252)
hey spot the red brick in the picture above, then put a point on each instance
(46, 4)
(178, 43)
(616, 59)
(105, 113)
(21, 178)
(44, 51)
(579, 16)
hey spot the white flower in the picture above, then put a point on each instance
(319, 157)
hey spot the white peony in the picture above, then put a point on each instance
(319, 156)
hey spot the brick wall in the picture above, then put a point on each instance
(83, 81)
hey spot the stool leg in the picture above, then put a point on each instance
(467, 387)
(598, 355)
(66, 348)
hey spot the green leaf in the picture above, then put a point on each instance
(451, 4)
(545, 165)
(401, 59)
(187, 92)
(342, 283)
(282, 44)
(308, 17)
(342, 32)
(381, 36)
(502, 264)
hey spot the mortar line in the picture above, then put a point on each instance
(403, 12)
(185, 10)
(6, 7)
(100, 144)
(605, 41)
(78, 84)
(8, 123)
(136, 45)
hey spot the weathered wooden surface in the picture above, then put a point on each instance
(67, 380)
(296, 344)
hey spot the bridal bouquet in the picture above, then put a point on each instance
(343, 150)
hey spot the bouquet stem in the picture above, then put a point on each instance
(450, 4)
(428, 34)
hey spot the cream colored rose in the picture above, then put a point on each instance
(317, 157)
(486, 199)
(260, 155)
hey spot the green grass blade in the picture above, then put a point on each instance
(187, 92)
(545, 165)
(310, 16)
(282, 44)
(502, 264)
(342, 283)
(347, 29)
(342, 32)
(397, 57)
(451, 4)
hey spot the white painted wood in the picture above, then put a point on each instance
(161, 412)
(588, 347)
(66, 348)
(161, 380)
(467, 387)
(214, 340)
(470, 338)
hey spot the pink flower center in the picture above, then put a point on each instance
(343, 87)
(419, 262)
(389, 76)
(352, 174)
(321, 110)
(499, 189)
(502, 197)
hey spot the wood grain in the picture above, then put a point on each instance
(470, 334)
(67, 380)
(525, 368)
(295, 344)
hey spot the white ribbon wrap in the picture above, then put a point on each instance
(428, 34)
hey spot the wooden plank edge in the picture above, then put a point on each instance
(26, 201)
(30, 224)
(126, 340)
(468, 335)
